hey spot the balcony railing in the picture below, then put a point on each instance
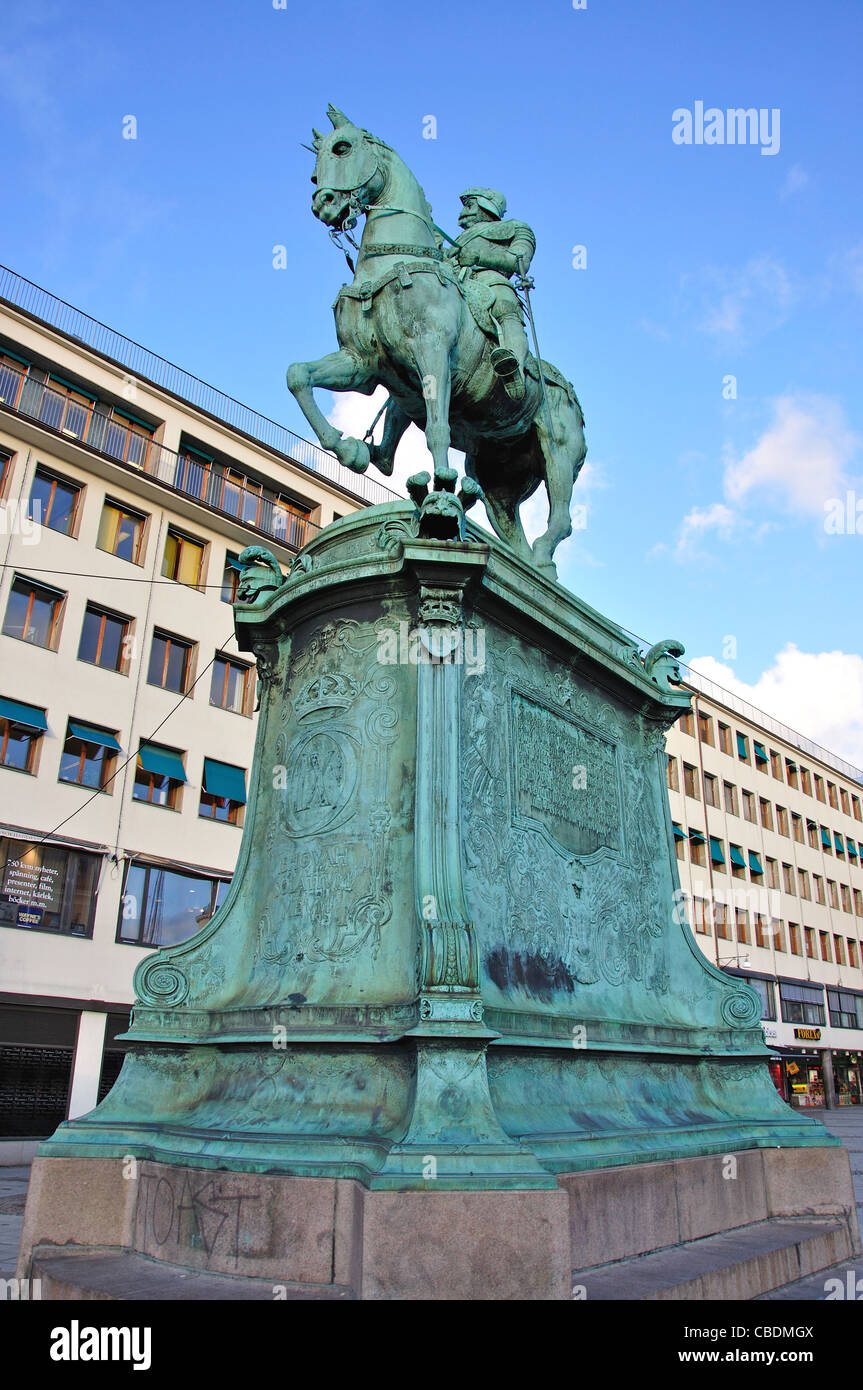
(213, 485)
(141, 362)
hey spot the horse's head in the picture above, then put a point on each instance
(348, 168)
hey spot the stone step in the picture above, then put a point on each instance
(82, 1273)
(740, 1264)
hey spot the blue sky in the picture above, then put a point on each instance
(705, 514)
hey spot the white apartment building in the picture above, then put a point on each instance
(769, 836)
(127, 490)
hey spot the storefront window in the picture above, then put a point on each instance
(805, 1081)
(801, 1003)
(161, 906)
(47, 888)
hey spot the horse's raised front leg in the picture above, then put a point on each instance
(338, 371)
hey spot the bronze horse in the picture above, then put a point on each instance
(405, 323)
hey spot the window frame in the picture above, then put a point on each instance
(58, 611)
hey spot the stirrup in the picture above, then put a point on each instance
(504, 363)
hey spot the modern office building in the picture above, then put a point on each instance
(768, 830)
(127, 491)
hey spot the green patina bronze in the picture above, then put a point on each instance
(451, 932)
(443, 332)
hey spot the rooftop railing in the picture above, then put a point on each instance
(138, 360)
(216, 486)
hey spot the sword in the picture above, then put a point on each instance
(526, 284)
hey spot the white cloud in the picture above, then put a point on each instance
(818, 694)
(800, 460)
(742, 303)
(701, 520)
(796, 179)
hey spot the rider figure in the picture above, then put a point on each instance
(492, 251)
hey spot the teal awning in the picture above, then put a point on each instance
(737, 857)
(716, 851)
(19, 713)
(92, 735)
(741, 746)
(161, 761)
(678, 833)
(696, 837)
(852, 849)
(838, 842)
(222, 779)
(759, 751)
(754, 863)
(825, 838)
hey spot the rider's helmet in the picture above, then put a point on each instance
(489, 199)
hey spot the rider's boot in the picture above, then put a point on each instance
(508, 359)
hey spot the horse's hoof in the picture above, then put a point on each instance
(354, 454)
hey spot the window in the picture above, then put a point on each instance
(34, 613)
(88, 756)
(772, 873)
(846, 1009)
(856, 810)
(778, 932)
(724, 738)
(843, 797)
(852, 952)
(762, 936)
(812, 834)
(170, 662)
(159, 776)
(767, 990)
(54, 502)
(711, 790)
(824, 941)
(782, 820)
(671, 774)
(832, 797)
(858, 902)
(193, 471)
(762, 762)
(741, 923)
(723, 926)
(809, 934)
(696, 848)
(797, 827)
(729, 793)
(826, 842)
(819, 787)
(104, 639)
(788, 878)
(805, 781)
(231, 685)
(223, 794)
(705, 728)
(819, 889)
(690, 781)
(748, 806)
(701, 916)
(47, 887)
(121, 532)
(738, 863)
(832, 893)
(794, 938)
(230, 578)
(766, 813)
(803, 884)
(5, 457)
(743, 748)
(839, 950)
(184, 559)
(127, 439)
(791, 773)
(687, 723)
(776, 764)
(846, 897)
(717, 855)
(161, 906)
(290, 523)
(21, 727)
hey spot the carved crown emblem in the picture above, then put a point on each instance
(329, 690)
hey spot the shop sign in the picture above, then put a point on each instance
(29, 917)
(810, 1034)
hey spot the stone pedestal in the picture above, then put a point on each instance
(450, 967)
